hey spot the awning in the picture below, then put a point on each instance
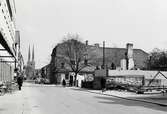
(5, 46)
(5, 56)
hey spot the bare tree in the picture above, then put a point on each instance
(74, 53)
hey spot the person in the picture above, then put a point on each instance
(20, 81)
(64, 83)
(71, 81)
(103, 84)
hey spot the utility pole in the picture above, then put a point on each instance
(103, 54)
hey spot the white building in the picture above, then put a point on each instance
(9, 41)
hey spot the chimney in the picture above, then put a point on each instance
(129, 47)
(86, 42)
(130, 61)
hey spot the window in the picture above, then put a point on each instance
(9, 8)
(62, 65)
(66, 76)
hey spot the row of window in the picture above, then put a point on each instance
(7, 19)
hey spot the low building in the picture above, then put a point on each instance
(132, 78)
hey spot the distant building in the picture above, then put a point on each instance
(30, 67)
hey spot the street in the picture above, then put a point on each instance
(51, 99)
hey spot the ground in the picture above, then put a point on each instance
(51, 99)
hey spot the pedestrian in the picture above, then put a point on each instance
(64, 83)
(103, 84)
(20, 81)
(71, 81)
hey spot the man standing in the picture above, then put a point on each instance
(20, 81)
(103, 84)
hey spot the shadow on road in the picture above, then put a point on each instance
(112, 100)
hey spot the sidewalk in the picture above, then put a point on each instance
(155, 98)
(17, 102)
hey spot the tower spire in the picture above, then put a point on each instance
(29, 54)
(33, 53)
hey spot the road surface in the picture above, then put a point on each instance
(50, 99)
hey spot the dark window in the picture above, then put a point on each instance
(62, 65)
(66, 76)
(86, 62)
(72, 62)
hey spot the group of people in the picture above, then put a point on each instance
(71, 82)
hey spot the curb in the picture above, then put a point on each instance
(146, 101)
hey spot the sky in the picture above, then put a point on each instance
(117, 22)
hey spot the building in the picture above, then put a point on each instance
(30, 67)
(113, 56)
(44, 72)
(152, 79)
(10, 56)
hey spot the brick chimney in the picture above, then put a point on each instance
(86, 42)
(130, 61)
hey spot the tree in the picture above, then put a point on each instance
(157, 60)
(74, 53)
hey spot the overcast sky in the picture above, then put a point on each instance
(44, 23)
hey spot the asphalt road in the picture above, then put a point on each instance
(43, 99)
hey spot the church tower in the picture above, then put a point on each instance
(29, 56)
(30, 69)
(33, 59)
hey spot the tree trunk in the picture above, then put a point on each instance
(75, 79)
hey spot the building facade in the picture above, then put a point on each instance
(10, 55)
(112, 56)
